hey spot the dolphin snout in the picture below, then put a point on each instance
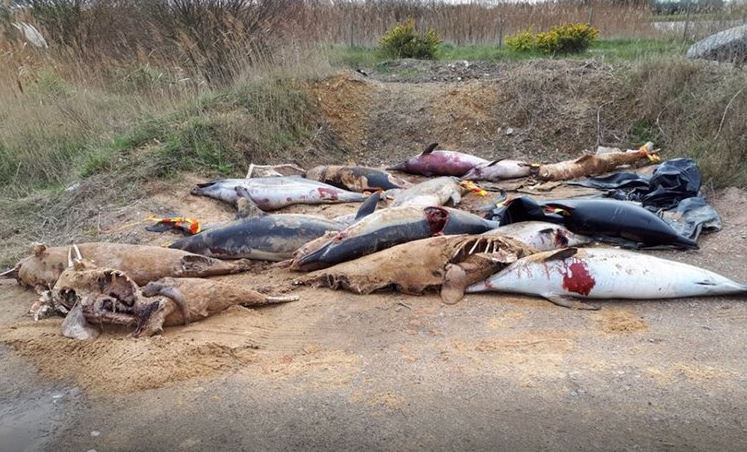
(471, 175)
(311, 261)
(398, 167)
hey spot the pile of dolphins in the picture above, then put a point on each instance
(410, 237)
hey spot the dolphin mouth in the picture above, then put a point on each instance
(311, 261)
(471, 175)
(201, 187)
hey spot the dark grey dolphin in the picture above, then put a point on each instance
(266, 237)
(388, 227)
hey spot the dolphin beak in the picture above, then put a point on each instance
(193, 244)
(471, 175)
(312, 261)
(399, 167)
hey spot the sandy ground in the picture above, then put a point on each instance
(387, 371)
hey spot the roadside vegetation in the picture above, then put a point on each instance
(125, 92)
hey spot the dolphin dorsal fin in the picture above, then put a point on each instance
(493, 163)
(431, 147)
(565, 253)
(369, 206)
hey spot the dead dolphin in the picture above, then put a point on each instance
(95, 295)
(543, 236)
(142, 263)
(270, 237)
(498, 170)
(183, 300)
(594, 217)
(449, 263)
(389, 227)
(356, 178)
(272, 193)
(605, 273)
(440, 163)
(260, 236)
(594, 165)
(433, 192)
(601, 219)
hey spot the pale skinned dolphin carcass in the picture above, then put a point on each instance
(432, 162)
(142, 263)
(499, 170)
(433, 192)
(272, 193)
(566, 275)
(543, 236)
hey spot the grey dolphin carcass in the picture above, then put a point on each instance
(388, 227)
(272, 193)
(271, 237)
(432, 192)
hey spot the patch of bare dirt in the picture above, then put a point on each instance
(117, 363)
(344, 100)
(620, 321)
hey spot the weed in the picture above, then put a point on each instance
(403, 41)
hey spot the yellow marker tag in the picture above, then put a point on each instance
(471, 186)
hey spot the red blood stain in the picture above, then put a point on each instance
(437, 219)
(577, 279)
(327, 193)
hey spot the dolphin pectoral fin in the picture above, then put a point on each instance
(245, 205)
(430, 148)
(455, 198)
(454, 284)
(569, 302)
(561, 254)
(369, 206)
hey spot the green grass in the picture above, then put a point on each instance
(220, 132)
(615, 49)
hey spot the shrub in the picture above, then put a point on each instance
(524, 41)
(403, 41)
(567, 38)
